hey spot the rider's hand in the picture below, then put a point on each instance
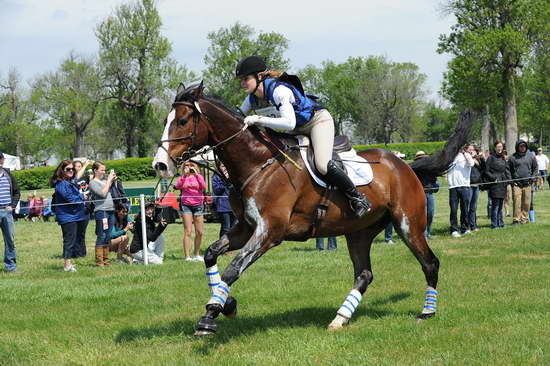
(250, 120)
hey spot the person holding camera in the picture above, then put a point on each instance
(460, 193)
(120, 243)
(191, 184)
(104, 213)
(154, 237)
(82, 180)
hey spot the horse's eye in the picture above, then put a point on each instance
(182, 121)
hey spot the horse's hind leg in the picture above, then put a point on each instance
(412, 234)
(359, 244)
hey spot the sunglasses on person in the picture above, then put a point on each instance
(69, 169)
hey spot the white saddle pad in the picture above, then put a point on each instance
(358, 169)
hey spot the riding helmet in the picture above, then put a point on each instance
(250, 65)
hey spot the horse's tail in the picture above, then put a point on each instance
(437, 164)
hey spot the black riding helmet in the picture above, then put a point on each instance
(250, 65)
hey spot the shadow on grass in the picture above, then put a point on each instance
(229, 329)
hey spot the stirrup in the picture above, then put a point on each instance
(360, 206)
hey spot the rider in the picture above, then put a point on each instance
(292, 110)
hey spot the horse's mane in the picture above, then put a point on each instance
(188, 94)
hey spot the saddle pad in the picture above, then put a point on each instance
(358, 169)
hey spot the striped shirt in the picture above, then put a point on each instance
(5, 190)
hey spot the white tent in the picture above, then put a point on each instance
(12, 162)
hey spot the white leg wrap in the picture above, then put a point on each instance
(430, 305)
(350, 304)
(219, 294)
(214, 277)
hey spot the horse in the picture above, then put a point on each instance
(274, 199)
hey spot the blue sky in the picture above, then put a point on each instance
(35, 35)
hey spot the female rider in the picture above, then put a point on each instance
(296, 112)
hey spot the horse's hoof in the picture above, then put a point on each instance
(205, 326)
(202, 333)
(420, 318)
(230, 307)
(337, 323)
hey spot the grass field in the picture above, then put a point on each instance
(494, 304)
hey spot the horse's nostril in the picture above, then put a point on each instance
(161, 167)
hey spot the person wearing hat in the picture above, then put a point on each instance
(9, 198)
(431, 187)
(279, 102)
(542, 162)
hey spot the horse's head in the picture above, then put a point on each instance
(184, 132)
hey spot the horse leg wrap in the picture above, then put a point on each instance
(214, 277)
(219, 294)
(350, 304)
(430, 305)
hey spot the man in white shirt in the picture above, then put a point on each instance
(459, 190)
(542, 162)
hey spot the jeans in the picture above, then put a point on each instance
(8, 231)
(104, 235)
(496, 212)
(331, 243)
(227, 221)
(80, 248)
(462, 196)
(472, 210)
(72, 231)
(388, 232)
(430, 210)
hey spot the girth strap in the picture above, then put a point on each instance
(320, 211)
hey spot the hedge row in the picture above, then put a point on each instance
(407, 148)
(126, 169)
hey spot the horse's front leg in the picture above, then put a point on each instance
(260, 241)
(235, 239)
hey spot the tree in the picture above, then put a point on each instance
(496, 37)
(136, 66)
(70, 97)
(228, 46)
(439, 121)
(20, 130)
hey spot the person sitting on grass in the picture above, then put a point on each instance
(155, 247)
(119, 235)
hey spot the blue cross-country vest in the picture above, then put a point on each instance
(304, 106)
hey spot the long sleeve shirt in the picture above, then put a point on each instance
(459, 174)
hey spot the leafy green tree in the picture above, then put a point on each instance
(70, 98)
(228, 46)
(439, 121)
(494, 36)
(137, 68)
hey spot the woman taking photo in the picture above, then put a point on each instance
(104, 212)
(191, 184)
(69, 210)
(82, 181)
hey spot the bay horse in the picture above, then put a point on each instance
(275, 200)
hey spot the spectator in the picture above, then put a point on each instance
(221, 200)
(523, 168)
(430, 188)
(331, 243)
(104, 211)
(155, 240)
(542, 162)
(475, 180)
(496, 170)
(191, 184)
(459, 191)
(82, 181)
(119, 236)
(508, 197)
(388, 234)
(35, 207)
(47, 213)
(69, 210)
(9, 198)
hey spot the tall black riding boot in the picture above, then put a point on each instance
(337, 177)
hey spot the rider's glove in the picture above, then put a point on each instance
(250, 120)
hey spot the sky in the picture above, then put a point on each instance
(35, 35)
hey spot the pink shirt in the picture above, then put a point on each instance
(191, 188)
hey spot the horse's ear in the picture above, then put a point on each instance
(181, 88)
(199, 90)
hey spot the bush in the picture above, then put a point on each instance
(407, 148)
(126, 169)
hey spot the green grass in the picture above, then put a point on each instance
(494, 304)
